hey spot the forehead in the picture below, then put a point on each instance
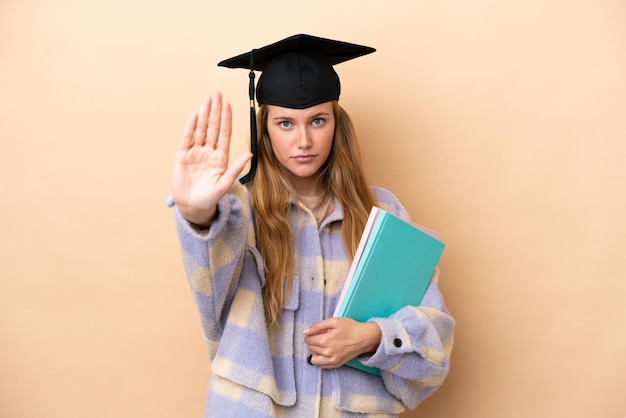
(286, 112)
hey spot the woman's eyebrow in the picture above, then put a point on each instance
(314, 116)
(317, 115)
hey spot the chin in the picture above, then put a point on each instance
(304, 174)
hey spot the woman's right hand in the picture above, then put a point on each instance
(201, 175)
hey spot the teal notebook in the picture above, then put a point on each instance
(391, 269)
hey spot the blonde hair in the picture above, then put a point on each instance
(342, 176)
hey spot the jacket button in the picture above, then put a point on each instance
(309, 359)
(397, 342)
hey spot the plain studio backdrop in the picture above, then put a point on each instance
(499, 124)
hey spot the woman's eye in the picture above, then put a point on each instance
(285, 124)
(318, 122)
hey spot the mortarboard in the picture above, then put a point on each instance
(297, 72)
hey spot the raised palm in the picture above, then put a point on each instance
(201, 175)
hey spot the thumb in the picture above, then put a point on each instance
(230, 175)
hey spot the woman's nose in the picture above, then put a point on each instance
(304, 140)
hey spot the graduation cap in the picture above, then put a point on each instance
(297, 73)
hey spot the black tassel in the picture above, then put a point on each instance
(253, 133)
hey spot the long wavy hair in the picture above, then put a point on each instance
(342, 176)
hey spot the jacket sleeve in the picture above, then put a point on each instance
(414, 353)
(213, 259)
(416, 344)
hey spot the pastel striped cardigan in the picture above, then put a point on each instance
(258, 373)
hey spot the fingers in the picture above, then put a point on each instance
(188, 131)
(225, 131)
(320, 326)
(212, 126)
(325, 361)
(317, 337)
(215, 118)
(199, 136)
(322, 347)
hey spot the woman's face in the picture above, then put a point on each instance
(302, 138)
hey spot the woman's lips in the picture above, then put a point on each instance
(304, 158)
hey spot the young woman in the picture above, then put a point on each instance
(267, 256)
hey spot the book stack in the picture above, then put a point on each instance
(392, 267)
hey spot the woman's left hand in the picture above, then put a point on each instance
(334, 341)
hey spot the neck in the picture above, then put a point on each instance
(310, 186)
(321, 206)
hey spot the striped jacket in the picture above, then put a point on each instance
(257, 372)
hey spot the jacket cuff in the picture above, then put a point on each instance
(224, 208)
(395, 342)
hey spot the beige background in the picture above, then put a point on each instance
(500, 124)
